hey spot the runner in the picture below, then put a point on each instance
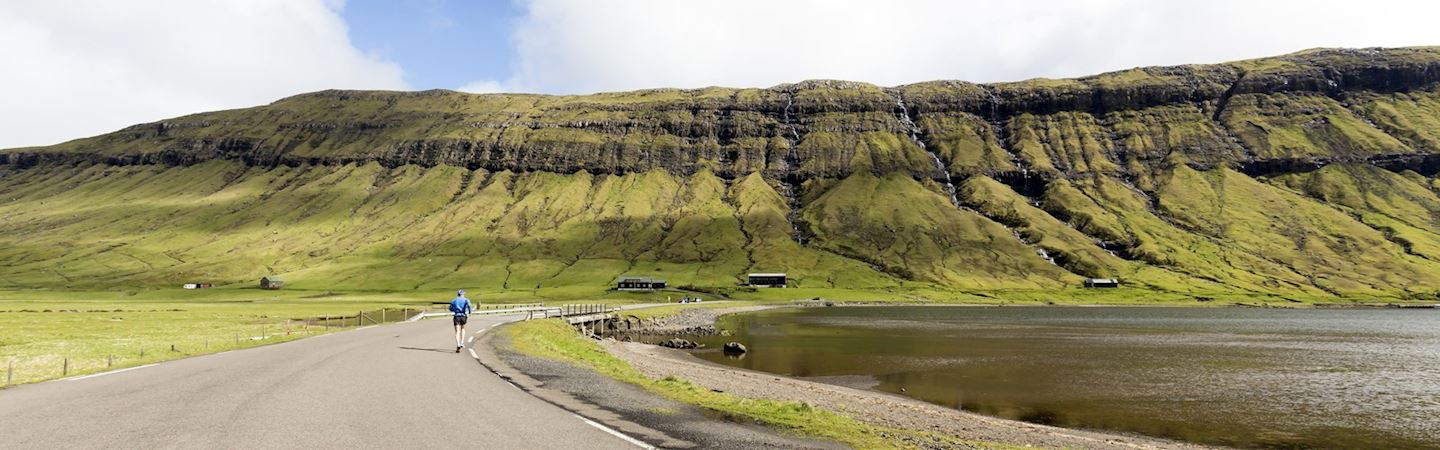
(461, 307)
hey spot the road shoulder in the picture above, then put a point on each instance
(627, 408)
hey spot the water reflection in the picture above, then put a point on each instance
(1240, 377)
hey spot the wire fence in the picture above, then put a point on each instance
(121, 354)
(29, 369)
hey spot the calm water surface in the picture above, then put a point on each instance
(1238, 377)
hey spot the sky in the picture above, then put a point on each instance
(76, 68)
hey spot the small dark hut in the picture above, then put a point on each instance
(768, 280)
(628, 283)
(271, 282)
(1102, 283)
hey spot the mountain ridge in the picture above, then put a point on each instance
(1330, 72)
(1304, 175)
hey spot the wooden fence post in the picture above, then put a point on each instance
(109, 361)
(383, 315)
(65, 369)
(10, 373)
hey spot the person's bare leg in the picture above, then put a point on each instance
(459, 337)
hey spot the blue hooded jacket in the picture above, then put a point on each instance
(460, 306)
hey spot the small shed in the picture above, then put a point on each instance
(1102, 283)
(629, 283)
(271, 282)
(768, 280)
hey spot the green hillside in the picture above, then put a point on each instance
(1308, 176)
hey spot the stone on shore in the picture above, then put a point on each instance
(678, 343)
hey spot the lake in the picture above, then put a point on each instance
(1260, 378)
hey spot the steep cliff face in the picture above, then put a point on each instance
(1302, 173)
(1310, 107)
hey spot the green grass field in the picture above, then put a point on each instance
(99, 331)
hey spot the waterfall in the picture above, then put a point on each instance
(787, 188)
(999, 127)
(914, 131)
(1044, 254)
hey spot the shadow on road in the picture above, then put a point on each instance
(439, 350)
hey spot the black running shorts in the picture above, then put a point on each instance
(460, 320)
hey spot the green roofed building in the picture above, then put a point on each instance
(628, 283)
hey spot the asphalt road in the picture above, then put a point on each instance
(392, 386)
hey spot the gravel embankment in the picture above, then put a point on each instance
(699, 318)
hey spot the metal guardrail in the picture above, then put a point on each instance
(532, 311)
(486, 310)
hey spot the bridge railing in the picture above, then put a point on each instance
(486, 310)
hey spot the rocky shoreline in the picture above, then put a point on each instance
(876, 408)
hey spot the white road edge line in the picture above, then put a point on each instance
(473, 355)
(627, 438)
(101, 374)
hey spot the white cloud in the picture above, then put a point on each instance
(76, 68)
(573, 46)
(482, 87)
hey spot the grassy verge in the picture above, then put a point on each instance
(554, 340)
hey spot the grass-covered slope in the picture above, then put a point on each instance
(369, 227)
(1307, 175)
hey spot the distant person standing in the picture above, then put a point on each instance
(461, 307)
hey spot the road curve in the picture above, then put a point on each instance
(399, 385)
